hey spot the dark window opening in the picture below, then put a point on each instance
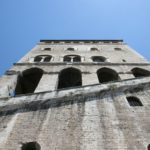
(70, 49)
(94, 49)
(47, 49)
(28, 81)
(118, 49)
(31, 146)
(43, 58)
(69, 77)
(72, 58)
(76, 59)
(148, 147)
(134, 101)
(98, 59)
(107, 75)
(138, 72)
(67, 59)
(47, 59)
(37, 59)
(123, 60)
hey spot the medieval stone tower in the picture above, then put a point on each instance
(76, 95)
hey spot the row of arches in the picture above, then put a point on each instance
(29, 79)
(68, 58)
(36, 146)
(73, 49)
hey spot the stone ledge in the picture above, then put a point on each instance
(68, 96)
(81, 63)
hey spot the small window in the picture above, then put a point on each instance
(123, 60)
(94, 49)
(70, 49)
(38, 59)
(98, 59)
(47, 49)
(134, 101)
(148, 147)
(118, 49)
(31, 146)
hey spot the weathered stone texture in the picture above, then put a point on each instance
(92, 117)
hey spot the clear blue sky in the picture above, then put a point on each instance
(24, 22)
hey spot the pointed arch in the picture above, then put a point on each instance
(28, 81)
(139, 72)
(107, 75)
(69, 77)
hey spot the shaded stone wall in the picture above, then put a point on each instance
(96, 121)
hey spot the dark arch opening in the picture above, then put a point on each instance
(134, 101)
(31, 146)
(139, 72)
(37, 59)
(67, 59)
(107, 75)
(148, 147)
(69, 77)
(47, 59)
(28, 81)
(98, 59)
(72, 58)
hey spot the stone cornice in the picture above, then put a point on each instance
(81, 63)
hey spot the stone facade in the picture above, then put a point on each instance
(94, 115)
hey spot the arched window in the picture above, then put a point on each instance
(31, 146)
(28, 81)
(134, 101)
(107, 75)
(138, 72)
(69, 77)
(43, 58)
(70, 49)
(98, 59)
(37, 59)
(72, 58)
(148, 147)
(47, 58)
(94, 49)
